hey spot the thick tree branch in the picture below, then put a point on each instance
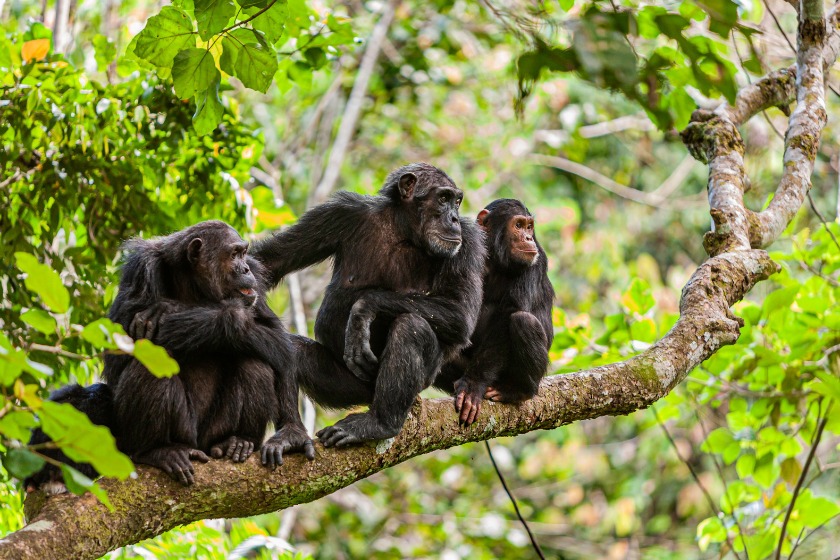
(68, 526)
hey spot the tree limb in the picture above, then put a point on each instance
(67, 526)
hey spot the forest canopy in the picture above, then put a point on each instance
(695, 368)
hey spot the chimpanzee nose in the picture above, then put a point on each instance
(454, 219)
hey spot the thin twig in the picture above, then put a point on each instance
(719, 470)
(58, 350)
(822, 219)
(534, 542)
(696, 478)
(801, 480)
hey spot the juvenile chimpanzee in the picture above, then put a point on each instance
(509, 351)
(197, 294)
(97, 401)
(403, 299)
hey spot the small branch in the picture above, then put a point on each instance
(801, 480)
(354, 106)
(569, 166)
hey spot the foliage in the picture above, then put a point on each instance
(96, 150)
(235, 39)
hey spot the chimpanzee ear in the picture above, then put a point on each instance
(407, 184)
(482, 219)
(194, 250)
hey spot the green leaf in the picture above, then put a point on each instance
(155, 359)
(164, 36)
(209, 110)
(231, 45)
(17, 424)
(101, 332)
(637, 298)
(316, 57)
(193, 71)
(718, 440)
(745, 465)
(272, 21)
(256, 66)
(212, 16)
(78, 484)
(20, 462)
(39, 320)
(105, 52)
(82, 440)
(44, 281)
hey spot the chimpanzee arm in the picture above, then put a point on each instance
(315, 237)
(227, 326)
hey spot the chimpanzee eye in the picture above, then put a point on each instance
(444, 198)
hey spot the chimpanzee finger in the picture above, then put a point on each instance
(459, 401)
(278, 456)
(198, 455)
(216, 452)
(369, 356)
(151, 329)
(309, 449)
(137, 327)
(474, 414)
(466, 409)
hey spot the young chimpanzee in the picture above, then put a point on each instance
(509, 351)
(197, 294)
(404, 296)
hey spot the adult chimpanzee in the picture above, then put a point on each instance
(509, 351)
(404, 296)
(197, 294)
(97, 401)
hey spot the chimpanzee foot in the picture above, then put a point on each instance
(468, 397)
(291, 437)
(356, 428)
(235, 448)
(174, 460)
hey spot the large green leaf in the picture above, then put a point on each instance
(193, 71)
(212, 16)
(271, 21)
(78, 484)
(44, 281)
(16, 424)
(82, 440)
(155, 359)
(232, 44)
(39, 320)
(101, 332)
(164, 36)
(21, 462)
(256, 66)
(209, 110)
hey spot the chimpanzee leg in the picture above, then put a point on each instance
(157, 421)
(409, 363)
(236, 426)
(527, 363)
(326, 379)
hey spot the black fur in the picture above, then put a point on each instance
(509, 351)
(403, 299)
(197, 294)
(97, 401)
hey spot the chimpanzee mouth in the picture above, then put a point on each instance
(250, 292)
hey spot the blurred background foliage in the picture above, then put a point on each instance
(574, 108)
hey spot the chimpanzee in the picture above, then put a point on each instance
(509, 351)
(403, 299)
(197, 294)
(97, 401)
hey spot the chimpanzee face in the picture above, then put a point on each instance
(436, 205)
(224, 262)
(511, 240)
(519, 234)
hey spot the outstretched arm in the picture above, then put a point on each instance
(315, 237)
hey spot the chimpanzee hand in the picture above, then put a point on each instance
(174, 460)
(468, 395)
(147, 322)
(291, 437)
(234, 448)
(358, 356)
